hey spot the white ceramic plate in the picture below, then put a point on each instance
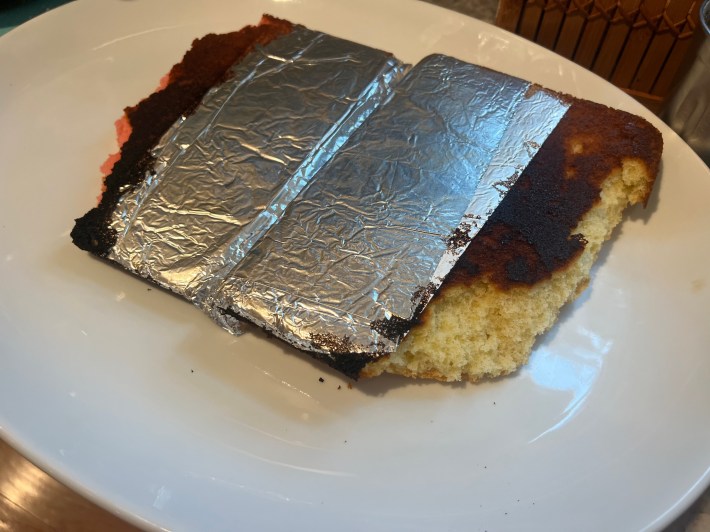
(137, 400)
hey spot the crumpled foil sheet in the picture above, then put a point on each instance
(325, 190)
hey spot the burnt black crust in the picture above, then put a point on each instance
(349, 364)
(203, 66)
(530, 235)
(393, 328)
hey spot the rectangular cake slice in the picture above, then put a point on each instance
(533, 255)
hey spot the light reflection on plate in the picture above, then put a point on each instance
(573, 371)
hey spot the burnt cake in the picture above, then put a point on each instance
(532, 256)
(142, 126)
(536, 252)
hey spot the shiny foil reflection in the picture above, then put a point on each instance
(324, 191)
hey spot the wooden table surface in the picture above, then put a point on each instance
(31, 500)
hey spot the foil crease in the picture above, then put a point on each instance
(326, 189)
(226, 172)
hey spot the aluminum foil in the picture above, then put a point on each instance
(324, 194)
(225, 173)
